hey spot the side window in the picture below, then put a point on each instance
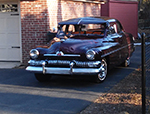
(71, 28)
(112, 29)
(67, 28)
(119, 29)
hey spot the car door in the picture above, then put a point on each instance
(122, 41)
(114, 40)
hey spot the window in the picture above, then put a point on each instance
(87, 30)
(71, 28)
(118, 28)
(112, 29)
(8, 8)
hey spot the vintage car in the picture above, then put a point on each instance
(83, 46)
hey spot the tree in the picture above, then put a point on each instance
(144, 12)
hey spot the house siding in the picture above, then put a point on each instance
(127, 15)
(105, 9)
(40, 16)
(126, 11)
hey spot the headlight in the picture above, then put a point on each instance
(34, 53)
(90, 54)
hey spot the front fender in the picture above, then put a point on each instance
(106, 49)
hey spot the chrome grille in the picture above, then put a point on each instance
(58, 62)
(66, 63)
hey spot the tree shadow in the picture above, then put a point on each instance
(20, 102)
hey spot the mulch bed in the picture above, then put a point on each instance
(123, 98)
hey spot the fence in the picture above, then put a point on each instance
(147, 62)
(145, 73)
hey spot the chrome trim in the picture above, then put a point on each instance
(34, 69)
(56, 70)
(79, 21)
(43, 67)
(114, 51)
(59, 53)
(111, 20)
(71, 66)
(34, 62)
(64, 55)
(65, 62)
(128, 61)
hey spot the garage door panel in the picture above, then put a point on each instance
(9, 32)
(8, 54)
(3, 54)
(13, 24)
(3, 24)
(13, 39)
(11, 54)
(3, 39)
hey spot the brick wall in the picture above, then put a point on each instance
(34, 25)
(40, 16)
(60, 10)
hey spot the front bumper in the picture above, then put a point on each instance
(69, 71)
(93, 67)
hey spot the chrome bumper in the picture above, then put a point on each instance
(91, 67)
(56, 70)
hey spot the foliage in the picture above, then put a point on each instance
(146, 1)
(144, 13)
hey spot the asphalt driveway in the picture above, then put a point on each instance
(21, 93)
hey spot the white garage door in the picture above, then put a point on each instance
(9, 32)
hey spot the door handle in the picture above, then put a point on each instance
(15, 47)
(14, 14)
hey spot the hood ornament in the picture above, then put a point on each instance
(59, 53)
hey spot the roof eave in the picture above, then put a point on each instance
(90, 1)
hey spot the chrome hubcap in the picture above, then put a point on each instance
(103, 71)
(128, 62)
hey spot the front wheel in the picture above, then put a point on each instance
(101, 76)
(42, 77)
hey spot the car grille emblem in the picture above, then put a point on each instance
(59, 53)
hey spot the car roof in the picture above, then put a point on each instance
(87, 20)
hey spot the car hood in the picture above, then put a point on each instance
(75, 46)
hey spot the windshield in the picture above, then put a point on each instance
(81, 30)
